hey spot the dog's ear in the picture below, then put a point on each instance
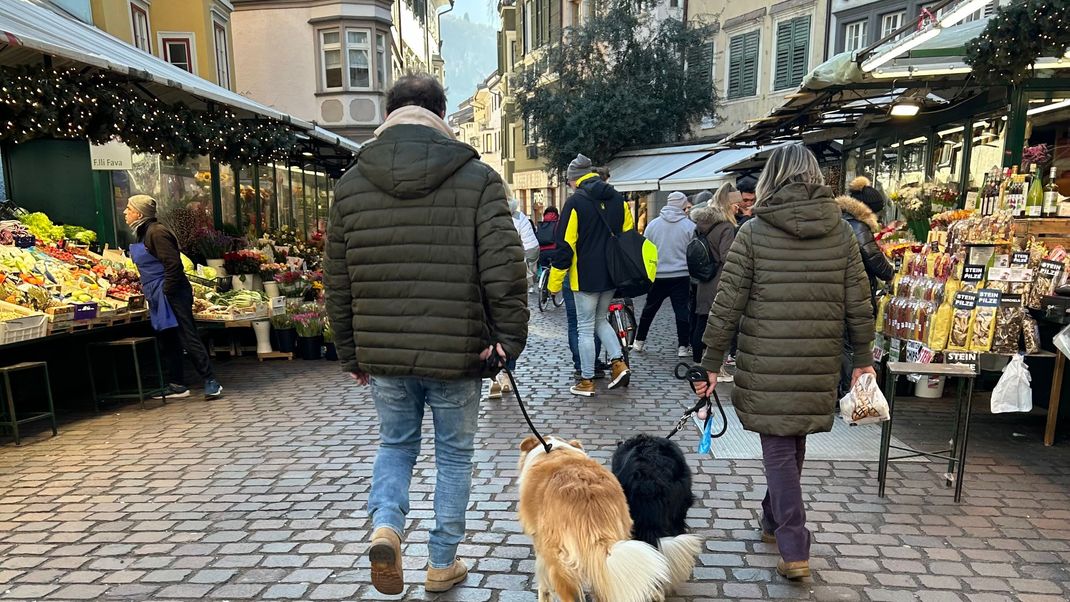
(528, 443)
(576, 443)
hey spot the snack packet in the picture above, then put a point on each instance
(984, 320)
(962, 321)
(1008, 324)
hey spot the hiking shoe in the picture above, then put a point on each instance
(621, 374)
(683, 351)
(495, 389)
(584, 388)
(173, 391)
(441, 580)
(212, 389)
(638, 346)
(385, 555)
(794, 570)
(724, 377)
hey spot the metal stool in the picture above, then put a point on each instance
(143, 393)
(957, 460)
(7, 412)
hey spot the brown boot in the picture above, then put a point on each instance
(385, 554)
(585, 388)
(768, 537)
(621, 374)
(441, 580)
(794, 570)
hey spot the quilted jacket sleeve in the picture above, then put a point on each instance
(874, 261)
(859, 308)
(737, 274)
(338, 288)
(502, 275)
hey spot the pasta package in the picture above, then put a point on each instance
(1008, 324)
(962, 321)
(984, 320)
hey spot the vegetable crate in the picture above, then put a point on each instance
(29, 325)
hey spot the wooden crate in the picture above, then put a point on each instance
(1051, 231)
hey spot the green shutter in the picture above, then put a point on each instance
(792, 52)
(555, 22)
(735, 67)
(750, 63)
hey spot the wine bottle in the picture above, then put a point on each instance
(1034, 202)
(1005, 191)
(1051, 196)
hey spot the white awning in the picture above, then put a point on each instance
(710, 172)
(641, 170)
(29, 29)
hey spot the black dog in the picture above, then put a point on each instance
(657, 484)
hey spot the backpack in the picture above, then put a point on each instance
(700, 262)
(631, 259)
(546, 233)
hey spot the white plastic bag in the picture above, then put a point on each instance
(1012, 392)
(864, 403)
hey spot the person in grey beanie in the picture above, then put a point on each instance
(701, 199)
(670, 232)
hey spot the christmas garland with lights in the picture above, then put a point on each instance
(1016, 36)
(41, 102)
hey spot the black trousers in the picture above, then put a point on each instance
(698, 328)
(184, 337)
(676, 290)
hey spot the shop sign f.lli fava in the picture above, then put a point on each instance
(111, 156)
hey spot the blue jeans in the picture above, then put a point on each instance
(454, 406)
(573, 333)
(591, 310)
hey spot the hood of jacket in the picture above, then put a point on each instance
(409, 160)
(597, 189)
(801, 210)
(858, 210)
(706, 219)
(672, 214)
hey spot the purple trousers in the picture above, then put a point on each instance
(783, 513)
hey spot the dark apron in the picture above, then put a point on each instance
(160, 313)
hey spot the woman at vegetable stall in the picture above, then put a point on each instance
(169, 295)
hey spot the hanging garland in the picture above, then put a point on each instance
(39, 102)
(1016, 36)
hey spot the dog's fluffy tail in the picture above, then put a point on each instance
(680, 552)
(633, 572)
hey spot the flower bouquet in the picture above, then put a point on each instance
(309, 334)
(212, 243)
(269, 271)
(292, 284)
(918, 203)
(243, 262)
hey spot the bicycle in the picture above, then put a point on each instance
(622, 318)
(545, 296)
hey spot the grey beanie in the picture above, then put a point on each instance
(144, 204)
(579, 167)
(678, 200)
(702, 198)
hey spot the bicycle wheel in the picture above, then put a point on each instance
(544, 294)
(558, 299)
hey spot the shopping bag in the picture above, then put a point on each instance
(1013, 392)
(864, 403)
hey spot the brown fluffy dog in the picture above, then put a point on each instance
(575, 511)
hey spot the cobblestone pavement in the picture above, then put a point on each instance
(261, 496)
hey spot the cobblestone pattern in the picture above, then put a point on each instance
(261, 496)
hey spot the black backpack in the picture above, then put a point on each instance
(700, 262)
(546, 233)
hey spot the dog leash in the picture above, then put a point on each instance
(498, 361)
(698, 374)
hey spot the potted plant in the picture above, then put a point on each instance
(213, 245)
(283, 332)
(244, 268)
(268, 272)
(309, 335)
(329, 351)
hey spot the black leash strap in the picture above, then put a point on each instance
(698, 374)
(496, 360)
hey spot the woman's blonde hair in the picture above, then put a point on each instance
(724, 202)
(789, 164)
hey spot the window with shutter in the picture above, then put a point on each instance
(700, 64)
(743, 65)
(792, 52)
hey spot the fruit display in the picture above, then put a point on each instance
(46, 277)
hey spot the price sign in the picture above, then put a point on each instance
(966, 358)
(918, 353)
(1019, 259)
(895, 349)
(1051, 269)
(878, 348)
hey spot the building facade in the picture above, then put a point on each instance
(858, 24)
(478, 121)
(760, 54)
(335, 59)
(194, 35)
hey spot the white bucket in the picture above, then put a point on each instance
(929, 387)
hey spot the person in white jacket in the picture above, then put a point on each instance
(527, 239)
(670, 232)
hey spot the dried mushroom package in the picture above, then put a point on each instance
(961, 321)
(1048, 275)
(1008, 324)
(984, 320)
(1031, 334)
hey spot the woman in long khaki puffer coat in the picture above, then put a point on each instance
(793, 279)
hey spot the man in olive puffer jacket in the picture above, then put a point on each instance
(424, 273)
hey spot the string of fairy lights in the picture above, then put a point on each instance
(1016, 36)
(44, 102)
